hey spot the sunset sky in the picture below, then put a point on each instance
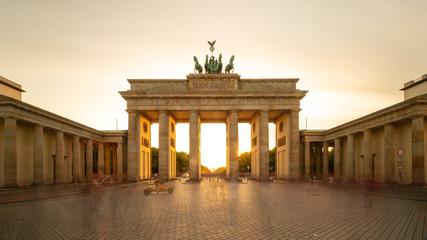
(72, 57)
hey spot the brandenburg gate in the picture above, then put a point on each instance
(213, 98)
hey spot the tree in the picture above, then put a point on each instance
(182, 161)
(220, 170)
(206, 169)
(272, 159)
(244, 162)
(155, 160)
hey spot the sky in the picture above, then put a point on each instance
(72, 57)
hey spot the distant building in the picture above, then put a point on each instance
(10, 89)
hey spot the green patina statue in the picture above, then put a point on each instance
(213, 66)
(197, 68)
(230, 65)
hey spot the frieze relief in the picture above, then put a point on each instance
(213, 81)
(213, 101)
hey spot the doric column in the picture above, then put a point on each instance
(164, 143)
(77, 175)
(350, 158)
(295, 165)
(307, 160)
(134, 145)
(10, 153)
(89, 160)
(264, 154)
(337, 158)
(318, 161)
(233, 145)
(325, 158)
(367, 155)
(418, 153)
(101, 159)
(195, 160)
(38, 155)
(389, 153)
(120, 160)
(59, 158)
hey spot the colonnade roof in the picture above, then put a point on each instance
(405, 110)
(27, 113)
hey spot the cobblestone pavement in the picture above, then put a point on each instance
(217, 210)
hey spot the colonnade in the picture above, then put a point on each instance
(371, 154)
(139, 144)
(33, 154)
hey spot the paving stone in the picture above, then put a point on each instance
(216, 210)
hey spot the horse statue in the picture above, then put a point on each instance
(197, 67)
(230, 65)
(206, 65)
(219, 70)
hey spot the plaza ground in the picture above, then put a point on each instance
(215, 209)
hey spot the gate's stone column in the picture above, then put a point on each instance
(233, 145)
(38, 155)
(195, 159)
(89, 160)
(418, 154)
(295, 164)
(101, 159)
(337, 158)
(389, 153)
(325, 157)
(59, 158)
(10, 153)
(164, 143)
(76, 159)
(134, 146)
(349, 161)
(264, 154)
(367, 155)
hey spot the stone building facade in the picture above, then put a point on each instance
(39, 147)
(367, 148)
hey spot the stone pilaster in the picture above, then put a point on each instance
(307, 160)
(337, 158)
(59, 158)
(10, 153)
(38, 155)
(318, 161)
(101, 159)
(295, 164)
(349, 160)
(89, 160)
(76, 159)
(164, 145)
(325, 158)
(367, 155)
(264, 154)
(233, 145)
(389, 153)
(418, 153)
(120, 160)
(134, 146)
(195, 159)
(107, 165)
